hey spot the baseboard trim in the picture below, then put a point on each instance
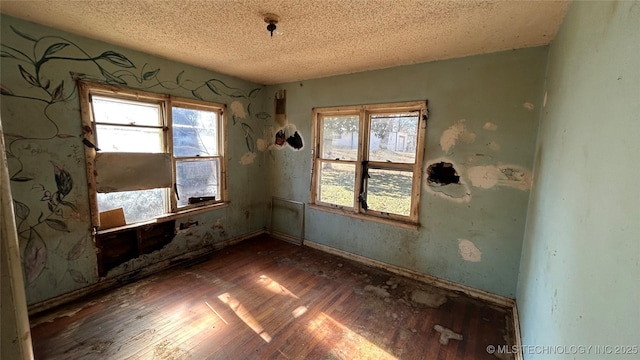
(108, 283)
(285, 237)
(516, 329)
(428, 279)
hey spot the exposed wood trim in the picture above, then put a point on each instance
(168, 217)
(107, 283)
(364, 113)
(193, 104)
(222, 151)
(428, 279)
(363, 152)
(349, 212)
(168, 121)
(122, 92)
(378, 108)
(417, 170)
(516, 330)
(89, 133)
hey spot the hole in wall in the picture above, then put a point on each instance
(442, 173)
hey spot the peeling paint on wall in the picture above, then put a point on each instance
(261, 145)
(489, 176)
(490, 126)
(237, 109)
(455, 132)
(247, 158)
(469, 251)
(529, 106)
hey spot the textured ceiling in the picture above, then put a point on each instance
(318, 37)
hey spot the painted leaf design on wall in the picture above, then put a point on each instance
(58, 92)
(27, 76)
(196, 95)
(35, 256)
(64, 181)
(7, 54)
(112, 78)
(55, 48)
(248, 139)
(5, 91)
(57, 224)
(22, 210)
(23, 35)
(254, 92)
(150, 74)
(117, 59)
(77, 249)
(237, 94)
(68, 204)
(212, 87)
(263, 115)
(179, 77)
(77, 276)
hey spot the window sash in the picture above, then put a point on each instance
(219, 194)
(165, 103)
(364, 131)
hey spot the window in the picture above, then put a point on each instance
(367, 160)
(151, 155)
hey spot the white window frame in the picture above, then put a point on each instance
(165, 103)
(364, 112)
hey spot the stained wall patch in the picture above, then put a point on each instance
(469, 251)
(456, 132)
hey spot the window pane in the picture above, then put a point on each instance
(138, 205)
(129, 139)
(337, 183)
(117, 111)
(393, 138)
(389, 191)
(340, 137)
(194, 132)
(196, 179)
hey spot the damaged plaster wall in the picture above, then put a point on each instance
(477, 120)
(579, 274)
(41, 120)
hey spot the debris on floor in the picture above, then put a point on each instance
(447, 334)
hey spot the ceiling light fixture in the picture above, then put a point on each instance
(272, 20)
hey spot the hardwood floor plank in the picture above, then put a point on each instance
(268, 299)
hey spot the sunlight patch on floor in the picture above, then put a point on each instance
(244, 315)
(350, 344)
(274, 286)
(299, 311)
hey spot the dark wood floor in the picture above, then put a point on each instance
(268, 299)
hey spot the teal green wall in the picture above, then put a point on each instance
(41, 120)
(579, 281)
(491, 103)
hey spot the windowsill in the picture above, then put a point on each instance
(407, 225)
(167, 217)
